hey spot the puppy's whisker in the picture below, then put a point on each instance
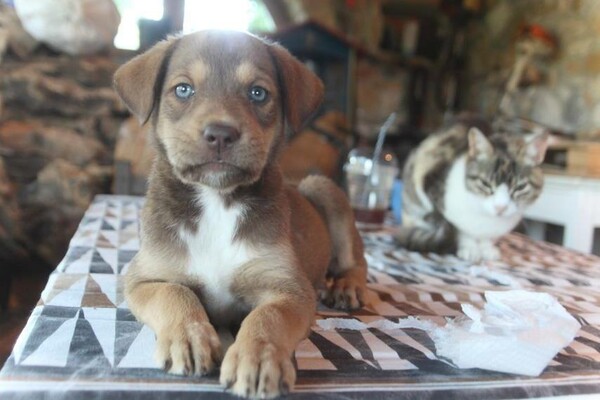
(177, 137)
(182, 140)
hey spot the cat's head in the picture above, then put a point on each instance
(504, 169)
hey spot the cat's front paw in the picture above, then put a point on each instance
(469, 252)
(489, 252)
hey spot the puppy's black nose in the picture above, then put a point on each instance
(220, 136)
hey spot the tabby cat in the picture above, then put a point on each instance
(466, 186)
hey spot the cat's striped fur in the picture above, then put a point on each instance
(466, 186)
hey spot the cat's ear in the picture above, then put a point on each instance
(534, 151)
(480, 147)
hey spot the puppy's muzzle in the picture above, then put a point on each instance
(220, 137)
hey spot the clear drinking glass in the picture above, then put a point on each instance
(370, 185)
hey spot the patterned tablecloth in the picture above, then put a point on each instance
(81, 341)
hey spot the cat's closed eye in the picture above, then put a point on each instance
(484, 186)
(520, 188)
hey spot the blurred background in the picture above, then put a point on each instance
(65, 136)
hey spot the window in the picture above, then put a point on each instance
(227, 14)
(249, 15)
(128, 36)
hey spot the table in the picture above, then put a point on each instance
(81, 341)
(570, 201)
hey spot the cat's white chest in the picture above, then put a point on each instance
(213, 252)
(467, 211)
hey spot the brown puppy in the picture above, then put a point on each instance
(223, 239)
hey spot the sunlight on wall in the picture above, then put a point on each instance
(222, 14)
(238, 15)
(128, 36)
(198, 14)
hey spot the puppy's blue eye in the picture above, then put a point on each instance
(258, 94)
(184, 91)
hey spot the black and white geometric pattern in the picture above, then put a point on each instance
(82, 337)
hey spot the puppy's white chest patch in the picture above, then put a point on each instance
(214, 255)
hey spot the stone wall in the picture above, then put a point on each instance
(58, 125)
(59, 119)
(566, 95)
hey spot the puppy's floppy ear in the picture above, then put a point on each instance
(139, 81)
(302, 90)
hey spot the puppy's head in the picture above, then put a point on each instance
(219, 103)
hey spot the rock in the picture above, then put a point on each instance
(6, 187)
(29, 146)
(54, 204)
(11, 238)
(12, 34)
(71, 26)
(103, 128)
(49, 230)
(62, 183)
(106, 130)
(51, 142)
(59, 119)
(59, 86)
(4, 34)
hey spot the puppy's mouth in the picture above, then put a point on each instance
(217, 174)
(194, 171)
(211, 166)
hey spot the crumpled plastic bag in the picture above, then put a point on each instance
(516, 332)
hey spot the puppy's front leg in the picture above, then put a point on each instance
(186, 341)
(259, 363)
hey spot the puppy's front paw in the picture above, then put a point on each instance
(258, 370)
(189, 348)
(345, 293)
